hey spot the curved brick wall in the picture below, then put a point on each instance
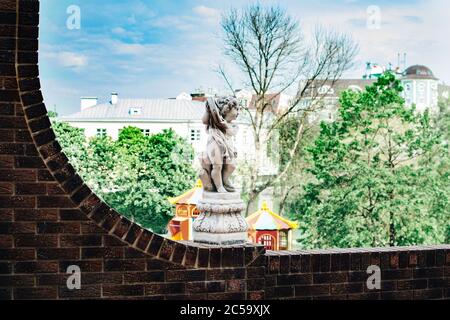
(49, 219)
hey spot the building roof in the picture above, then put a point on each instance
(418, 72)
(266, 219)
(154, 109)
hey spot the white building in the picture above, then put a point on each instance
(152, 116)
(421, 88)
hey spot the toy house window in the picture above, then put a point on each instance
(283, 240)
(145, 132)
(267, 241)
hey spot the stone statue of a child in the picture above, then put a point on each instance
(219, 160)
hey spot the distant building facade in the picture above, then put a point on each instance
(421, 88)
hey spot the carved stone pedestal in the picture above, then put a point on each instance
(220, 220)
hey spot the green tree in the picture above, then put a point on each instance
(375, 181)
(135, 174)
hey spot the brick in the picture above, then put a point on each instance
(71, 215)
(344, 288)
(85, 265)
(412, 284)
(314, 290)
(6, 162)
(17, 228)
(41, 293)
(226, 296)
(54, 189)
(122, 227)
(31, 188)
(44, 137)
(51, 149)
(190, 257)
(428, 273)
(29, 162)
(36, 267)
(80, 240)
(6, 109)
(90, 204)
(36, 110)
(58, 253)
(36, 214)
(294, 279)
(185, 275)
(6, 135)
(54, 202)
(179, 252)
(28, 57)
(164, 288)
(17, 202)
(334, 277)
(428, 294)
(104, 253)
(12, 148)
(235, 285)
(81, 194)
(396, 274)
(274, 264)
(125, 265)
(42, 241)
(6, 214)
(17, 254)
(44, 175)
(133, 253)
(5, 268)
(39, 124)
(59, 227)
(123, 290)
(99, 278)
(6, 241)
(256, 284)
(215, 257)
(87, 292)
(215, 286)
(167, 249)
(6, 188)
(5, 294)
(17, 280)
(17, 175)
(29, 84)
(72, 183)
(23, 136)
(225, 274)
(144, 277)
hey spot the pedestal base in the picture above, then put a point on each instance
(220, 221)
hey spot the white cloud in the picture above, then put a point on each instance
(67, 59)
(210, 14)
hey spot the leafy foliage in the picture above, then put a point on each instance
(135, 174)
(378, 175)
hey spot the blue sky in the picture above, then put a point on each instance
(159, 48)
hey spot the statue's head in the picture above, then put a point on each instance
(229, 108)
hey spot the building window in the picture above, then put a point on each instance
(145, 132)
(326, 90)
(101, 132)
(195, 135)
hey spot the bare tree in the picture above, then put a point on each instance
(269, 48)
